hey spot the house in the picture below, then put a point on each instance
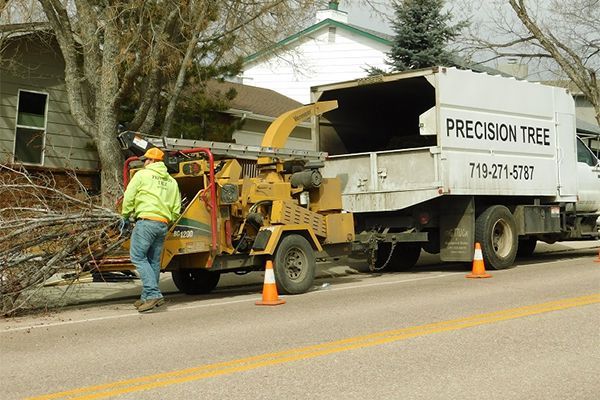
(331, 50)
(36, 126)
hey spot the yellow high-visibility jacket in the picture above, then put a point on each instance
(153, 194)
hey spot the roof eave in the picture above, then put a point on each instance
(310, 29)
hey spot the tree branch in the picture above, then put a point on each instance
(574, 68)
(59, 20)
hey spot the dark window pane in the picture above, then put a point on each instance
(29, 145)
(32, 103)
(584, 155)
(32, 109)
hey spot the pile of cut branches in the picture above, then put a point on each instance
(47, 229)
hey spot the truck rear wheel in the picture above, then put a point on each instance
(526, 247)
(496, 231)
(405, 256)
(295, 265)
(195, 281)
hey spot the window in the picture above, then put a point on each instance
(331, 33)
(30, 135)
(584, 155)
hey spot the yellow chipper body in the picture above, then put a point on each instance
(243, 205)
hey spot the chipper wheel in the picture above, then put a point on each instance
(295, 265)
(195, 281)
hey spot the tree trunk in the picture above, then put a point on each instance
(110, 155)
(111, 159)
(109, 151)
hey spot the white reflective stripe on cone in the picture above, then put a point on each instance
(269, 275)
(478, 255)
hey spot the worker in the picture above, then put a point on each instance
(152, 198)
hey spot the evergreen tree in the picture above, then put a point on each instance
(422, 32)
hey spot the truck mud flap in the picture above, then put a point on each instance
(457, 227)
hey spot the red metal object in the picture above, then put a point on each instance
(126, 170)
(228, 233)
(125, 178)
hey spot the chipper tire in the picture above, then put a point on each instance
(195, 281)
(295, 265)
(496, 232)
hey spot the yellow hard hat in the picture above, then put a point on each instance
(154, 154)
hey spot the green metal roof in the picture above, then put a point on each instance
(369, 34)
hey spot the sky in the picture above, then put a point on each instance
(365, 17)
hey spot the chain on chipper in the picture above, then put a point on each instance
(373, 257)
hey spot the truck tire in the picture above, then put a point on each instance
(404, 258)
(432, 246)
(496, 232)
(294, 265)
(526, 247)
(195, 281)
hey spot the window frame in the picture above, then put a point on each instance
(331, 34)
(588, 151)
(45, 128)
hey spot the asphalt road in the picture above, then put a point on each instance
(532, 332)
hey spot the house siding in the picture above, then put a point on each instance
(584, 110)
(314, 60)
(66, 145)
(253, 131)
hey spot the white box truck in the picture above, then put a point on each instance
(441, 158)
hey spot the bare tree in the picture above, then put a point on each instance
(142, 54)
(563, 37)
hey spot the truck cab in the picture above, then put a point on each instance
(588, 179)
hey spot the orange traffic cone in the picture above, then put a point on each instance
(269, 294)
(478, 265)
(598, 259)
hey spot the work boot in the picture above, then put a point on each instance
(151, 304)
(138, 303)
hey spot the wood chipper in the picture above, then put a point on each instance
(243, 205)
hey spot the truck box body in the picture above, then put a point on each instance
(404, 139)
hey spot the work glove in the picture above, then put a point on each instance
(125, 226)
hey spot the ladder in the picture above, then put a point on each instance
(138, 144)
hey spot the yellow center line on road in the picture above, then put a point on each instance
(263, 360)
